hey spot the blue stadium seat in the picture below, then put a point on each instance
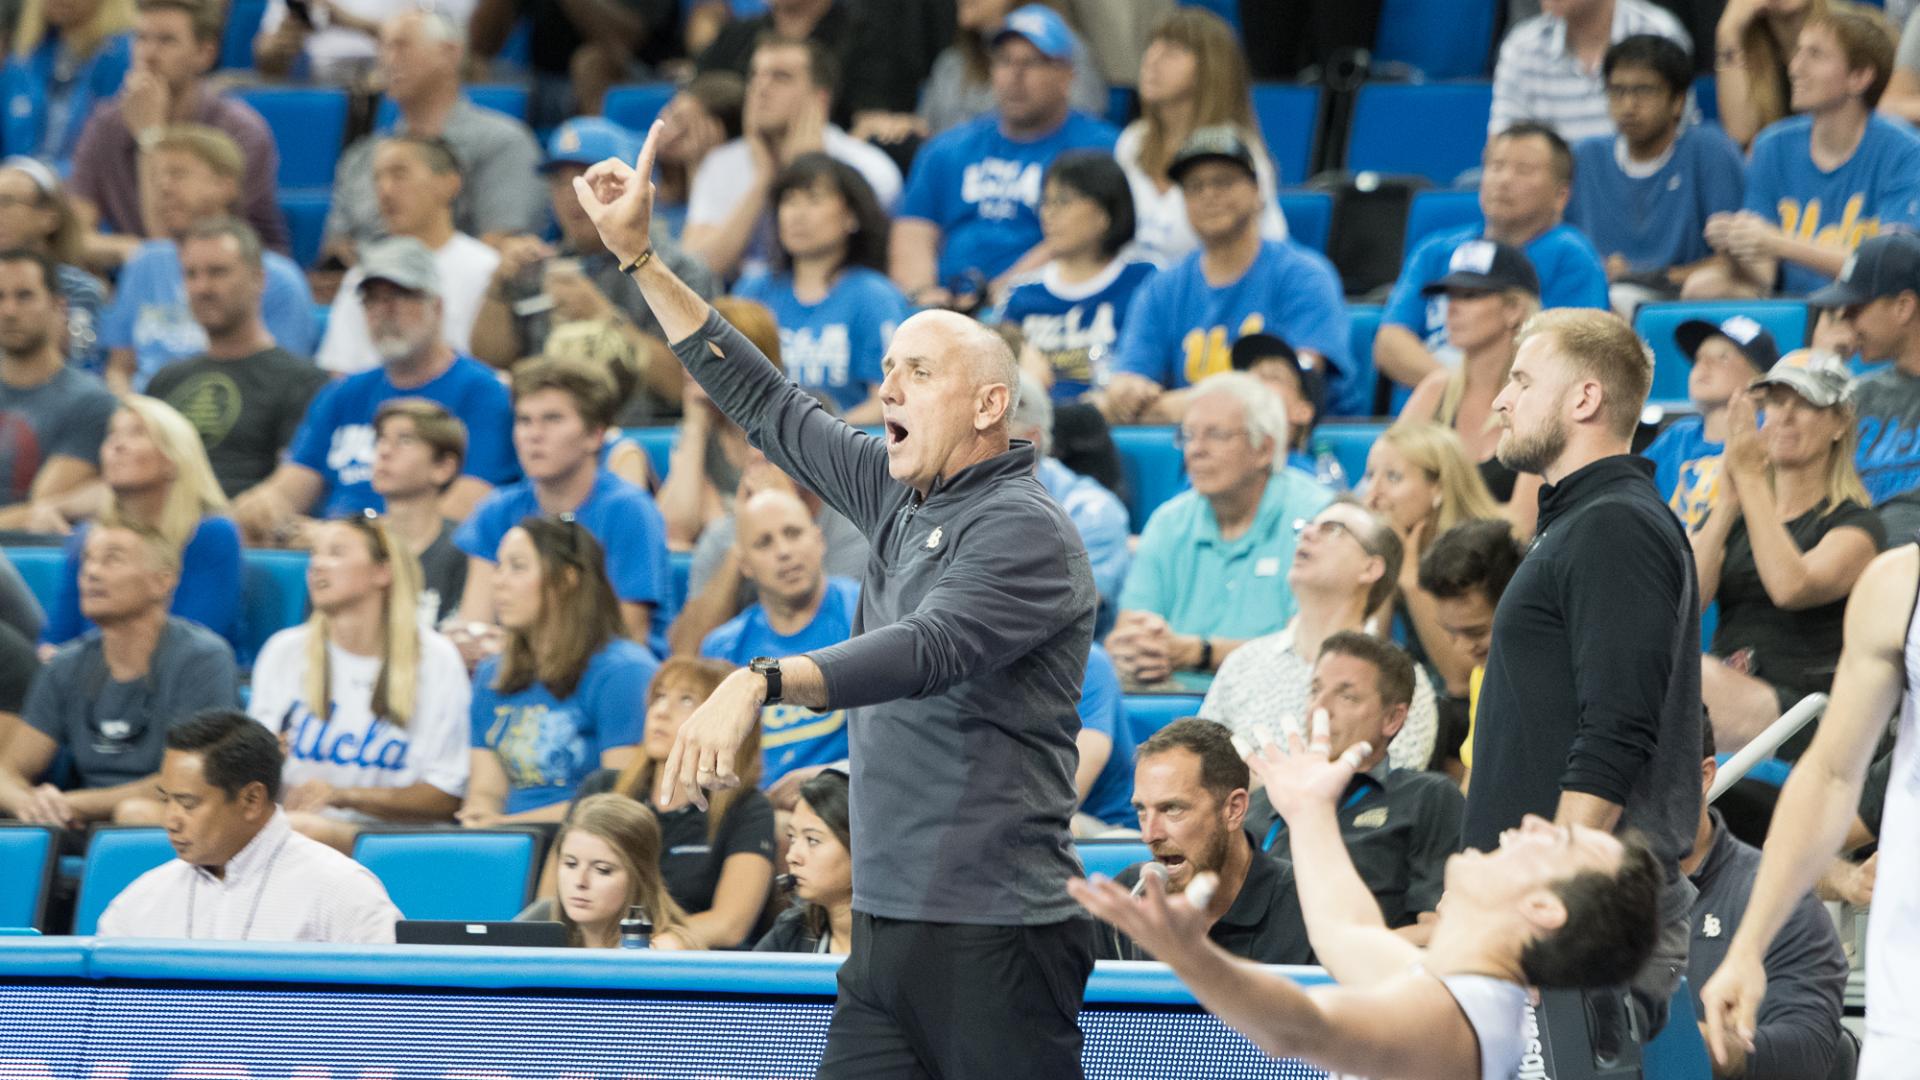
(635, 105)
(1288, 115)
(116, 855)
(1357, 400)
(236, 43)
(1349, 443)
(486, 875)
(309, 123)
(1706, 95)
(27, 857)
(321, 314)
(508, 99)
(657, 442)
(1437, 210)
(1785, 319)
(1120, 103)
(1435, 130)
(1678, 1050)
(1309, 217)
(1153, 468)
(682, 563)
(40, 568)
(273, 596)
(1109, 857)
(518, 49)
(1148, 713)
(306, 210)
(1444, 39)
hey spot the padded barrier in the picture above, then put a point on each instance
(84, 1008)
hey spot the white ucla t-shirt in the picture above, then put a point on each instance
(353, 748)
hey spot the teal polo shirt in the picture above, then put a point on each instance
(1202, 584)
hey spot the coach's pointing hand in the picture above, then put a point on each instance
(704, 747)
(619, 199)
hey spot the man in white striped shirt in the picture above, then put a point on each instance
(243, 874)
(1549, 65)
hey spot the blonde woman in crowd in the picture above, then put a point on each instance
(154, 473)
(370, 704)
(609, 863)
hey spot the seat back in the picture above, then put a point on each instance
(273, 596)
(116, 855)
(1435, 130)
(27, 857)
(1438, 209)
(482, 875)
(1109, 857)
(40, 568)
(1289, 116)
(1153, 468)
(1148, 713)
(1349, 443)
(635, 105)
(236, 42)
(1309, 217)
(309, 124)
(306, 211)
(1355, 396)
(1786, 320)
(1442, 39)
(1678, 1051)
(658, 444)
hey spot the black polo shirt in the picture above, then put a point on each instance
(1400, 825)
(1263, 923)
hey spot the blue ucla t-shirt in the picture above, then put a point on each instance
(792, 736)
(546, 745)
(1181, 329)
(1658, 220)
(1076, 327)
(336, 438)
(983, 189)
(1571, 275)
(149, 312)
(1103, 710)
(1876, 189)
(1686, 469)
(622, 517)
(836, 344)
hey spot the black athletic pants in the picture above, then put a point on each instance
(951, 1001)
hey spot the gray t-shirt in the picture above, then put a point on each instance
(66, 416)
(500, 185)
(115, 731)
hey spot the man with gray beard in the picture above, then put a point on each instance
(1610, 740)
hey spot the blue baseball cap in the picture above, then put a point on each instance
(589, 140)
(1043, 28)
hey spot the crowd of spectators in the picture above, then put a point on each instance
(495, 637)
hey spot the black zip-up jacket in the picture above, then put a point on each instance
(976, 616)
(1593, 679)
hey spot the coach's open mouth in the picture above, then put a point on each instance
(896, 432)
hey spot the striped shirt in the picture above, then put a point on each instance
(281, 887)
(1538, 78)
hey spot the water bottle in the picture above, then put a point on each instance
(636, 930)
(1326, 468)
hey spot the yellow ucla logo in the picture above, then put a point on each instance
(1804, 223)
(1209, 351)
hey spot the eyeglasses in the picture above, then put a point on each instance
(1183, 437)
(1327, 528)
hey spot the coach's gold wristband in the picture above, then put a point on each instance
(639, 261)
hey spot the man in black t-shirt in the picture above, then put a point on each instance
(245, 394)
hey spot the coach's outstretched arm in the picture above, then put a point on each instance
(1822, 793)
(846, 468)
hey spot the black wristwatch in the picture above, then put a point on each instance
(768, 668)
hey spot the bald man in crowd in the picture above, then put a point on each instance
(963, 674)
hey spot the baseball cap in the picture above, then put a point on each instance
(1256, 348)
(1043, 28)
(1822, 378)
(1752, 339)
(1882, 266)
(1215, 142)
(402, 260)
(1489, 266)
(589, 140)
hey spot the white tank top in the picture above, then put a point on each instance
(1498, 1012)
(1893, 930)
